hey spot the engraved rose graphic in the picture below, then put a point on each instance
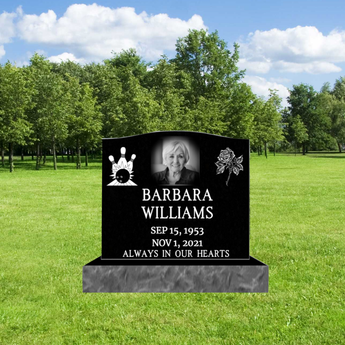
(227, 160)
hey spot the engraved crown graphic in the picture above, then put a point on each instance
(122, 171)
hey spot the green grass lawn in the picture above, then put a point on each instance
(50, 227)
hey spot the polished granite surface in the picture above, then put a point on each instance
(123, 276)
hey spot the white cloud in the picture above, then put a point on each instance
(280, 80)
(260, 86)
(295, 50)
(7, 27)
(2, 51)
(255, 66)
(65, 57)
(7, 30)
(93, 31)
(316, 67)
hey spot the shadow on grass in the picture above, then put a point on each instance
(325, 152)
(322, 156)
(29, 164)
(316, 154)
(311, 153)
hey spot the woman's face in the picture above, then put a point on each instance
(176, 160)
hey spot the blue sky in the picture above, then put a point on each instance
(282, 43)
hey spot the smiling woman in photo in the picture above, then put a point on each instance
(175, 156)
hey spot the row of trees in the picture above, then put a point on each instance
(316, 120)
(66, 106)
(38, 108)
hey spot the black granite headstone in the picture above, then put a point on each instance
(175, 202)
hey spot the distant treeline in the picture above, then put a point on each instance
(67, 107)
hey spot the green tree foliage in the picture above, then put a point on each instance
(211, 65)
(130, 60)
(267, 121)
(140, 110)
(85, 122)
(107, 88)
(68, 69)
(275, 126)
(51, 99)
(339, 89)
(332, 103)
(207, 117)
(299, 130)
(304, 102)
(164, 83)
(37, 69)
(15, 100)
(239, 111)
(213, 85)
(259, 136)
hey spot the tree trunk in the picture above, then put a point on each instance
(303, 149)
(274, 146)
(11, 157)
(78, 155)
(72, 156)
(266, 150)
(2, 154)
(86, 158)
(38, 156)
(22, 154)
(54, 154)
(339, 147)
(32, 155)
(68, 157)
(62, 156)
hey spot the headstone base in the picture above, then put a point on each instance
(225, 276)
